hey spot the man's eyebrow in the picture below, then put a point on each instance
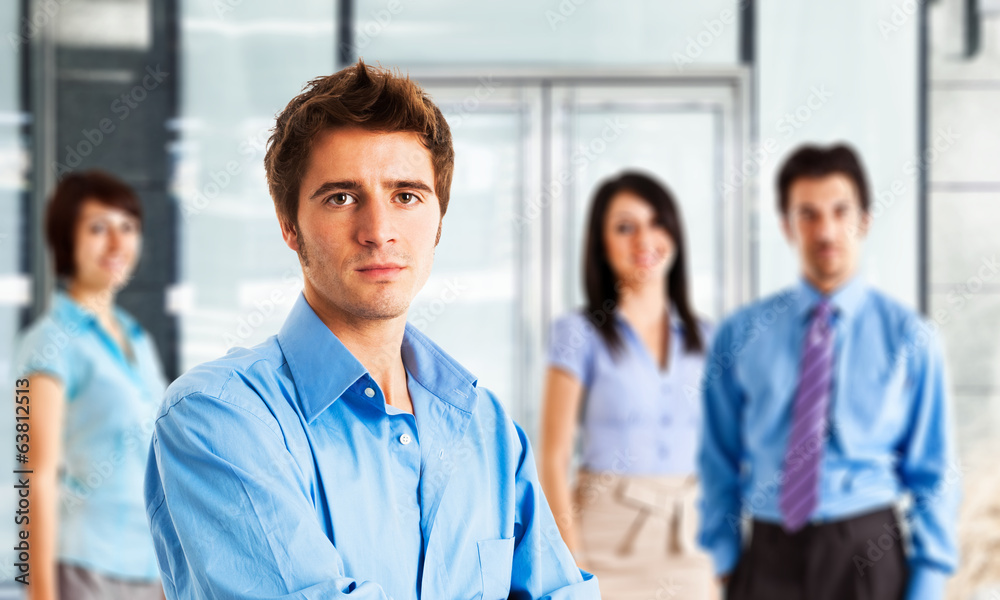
(407, 183)
(330, 186)
(354, 186)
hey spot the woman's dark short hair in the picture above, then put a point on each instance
(64, 211)
(819, 161)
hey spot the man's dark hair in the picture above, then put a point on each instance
(358, 96)
(63, 211)
(817, 161)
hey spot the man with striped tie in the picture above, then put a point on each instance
(826, 405)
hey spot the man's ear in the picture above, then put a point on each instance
(289, 233)
(864, 225)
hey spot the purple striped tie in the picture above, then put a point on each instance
(800, 490)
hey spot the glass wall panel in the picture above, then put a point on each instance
(241, 64)
(564, 32)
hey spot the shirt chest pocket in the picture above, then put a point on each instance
(495, 562)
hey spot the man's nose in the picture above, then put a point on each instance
(826, 227)
(376, 225)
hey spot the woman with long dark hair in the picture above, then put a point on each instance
(625, 372)
(92, 381)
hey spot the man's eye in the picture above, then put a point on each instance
(407, 198)
(341, 199)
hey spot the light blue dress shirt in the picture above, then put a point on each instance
(111, 403)
(891, 429)
(638, 419)
(280, 472)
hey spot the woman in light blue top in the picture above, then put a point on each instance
(625, 372)
(93, 382)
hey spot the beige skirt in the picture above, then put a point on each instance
(637, 535)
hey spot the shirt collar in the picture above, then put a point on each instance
(323, 368)
(846, 299)
(68, 310)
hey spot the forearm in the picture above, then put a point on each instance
(41, 528)
(555, 483)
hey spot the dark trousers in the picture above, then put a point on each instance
(860, 558)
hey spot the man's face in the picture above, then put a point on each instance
(826, 224)
(368, 222)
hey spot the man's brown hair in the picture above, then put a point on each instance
(63, 211)
(359, 96)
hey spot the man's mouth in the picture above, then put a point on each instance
(380, 270)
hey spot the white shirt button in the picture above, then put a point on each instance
(369, 392)
(405, 439)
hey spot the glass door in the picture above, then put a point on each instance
(531, 147)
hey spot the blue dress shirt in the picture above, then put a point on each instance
(111, 403)
(280, 472)
(890, 424)
(637, 418)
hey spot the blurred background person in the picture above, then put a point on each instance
(95, 382)
(825, 406)
(621, 369)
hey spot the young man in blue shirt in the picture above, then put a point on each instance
(825, 404)
(349, 456)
